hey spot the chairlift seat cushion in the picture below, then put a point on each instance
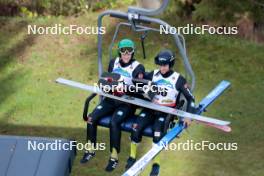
(126, 126)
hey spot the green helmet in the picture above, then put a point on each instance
(126, 43)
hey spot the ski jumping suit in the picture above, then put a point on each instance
(119, 110)
(173, 85)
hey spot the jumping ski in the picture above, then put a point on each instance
(144, 103)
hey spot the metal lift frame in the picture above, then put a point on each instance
(135, 16)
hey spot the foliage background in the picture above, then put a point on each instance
(31, 104)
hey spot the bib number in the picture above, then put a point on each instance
(163, 92)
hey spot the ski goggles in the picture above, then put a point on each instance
(126, 50)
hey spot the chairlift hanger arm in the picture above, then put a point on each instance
(142, 18)
(127, 16)
(142, 38)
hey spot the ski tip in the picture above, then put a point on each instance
(61, 80)
(224, 128)
(226, 83)
(58, 80)
(227, 129)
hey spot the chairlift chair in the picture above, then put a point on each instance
(138, 20)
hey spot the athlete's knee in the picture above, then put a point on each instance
(119, 114)
(115, 121)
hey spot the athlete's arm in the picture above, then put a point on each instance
(152, 91)
(139, 71)
(149, 75)
(182, 86)
(140, 84)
